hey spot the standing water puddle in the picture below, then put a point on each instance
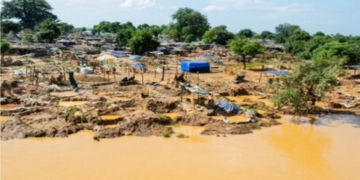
(10, 106)
(4, 118)
(329, 150)
(72, 103)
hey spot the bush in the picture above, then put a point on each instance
(166, 133)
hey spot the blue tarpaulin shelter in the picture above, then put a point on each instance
(228, 107)
(135, 57)
(138, 65)
(63, 41)
(118, 54)
(195, 66)
(277, 73)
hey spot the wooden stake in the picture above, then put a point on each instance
(142, 77)
(163, 73)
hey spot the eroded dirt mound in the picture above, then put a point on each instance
(138, 123)
(193, 119)
(220, 128)
(161, 106)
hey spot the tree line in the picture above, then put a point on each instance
(187, 25)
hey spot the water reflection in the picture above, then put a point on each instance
(304, 146)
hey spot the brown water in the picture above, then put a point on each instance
(328, 150)
(9, 106)
(110, 117)
(72, 103)
(171, 115)
(232, 118)
(120, 99)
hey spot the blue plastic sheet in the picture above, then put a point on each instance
(118, 54)
(135, 57)
(228, 107)
(138, 65)
(277, 73)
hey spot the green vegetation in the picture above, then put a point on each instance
(143, 41)
(243, 47)
(219, 35)
(48, 31)
(166, 133)
(10, 26)
(188, 25)
(181, 136)
(4, 47)
(308, 83)
(29, 12)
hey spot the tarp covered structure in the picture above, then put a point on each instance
(195, 66)
(118, 54)
(228, 107)
(138, 65)
(135, 57)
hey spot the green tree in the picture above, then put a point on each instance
(143, 41)
(65, 27)
(267, 35)
(219, 35)
(7, 26)
(307, 83)
(296, 42)
(349, 51)
(29, 12)
(48, 31)
(4, 47)
(188, 25)
(123, 36)
(243, 47)
(28, 39)
(245, 33)
(284, 31)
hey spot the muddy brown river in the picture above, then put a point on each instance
(328, 150)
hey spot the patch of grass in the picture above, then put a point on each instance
(166, 133)
(256, 127)
(48, 91)
(161, 116)
(252, 109)
(181, 135)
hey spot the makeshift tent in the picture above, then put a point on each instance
(135, 57)
(138, 65)
(118, 54)
(228, 107)
(195, 66)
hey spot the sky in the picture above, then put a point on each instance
(328, 16)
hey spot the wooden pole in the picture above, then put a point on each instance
(198, 78)
(142, 77)
(154, 72)
(163, 73)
